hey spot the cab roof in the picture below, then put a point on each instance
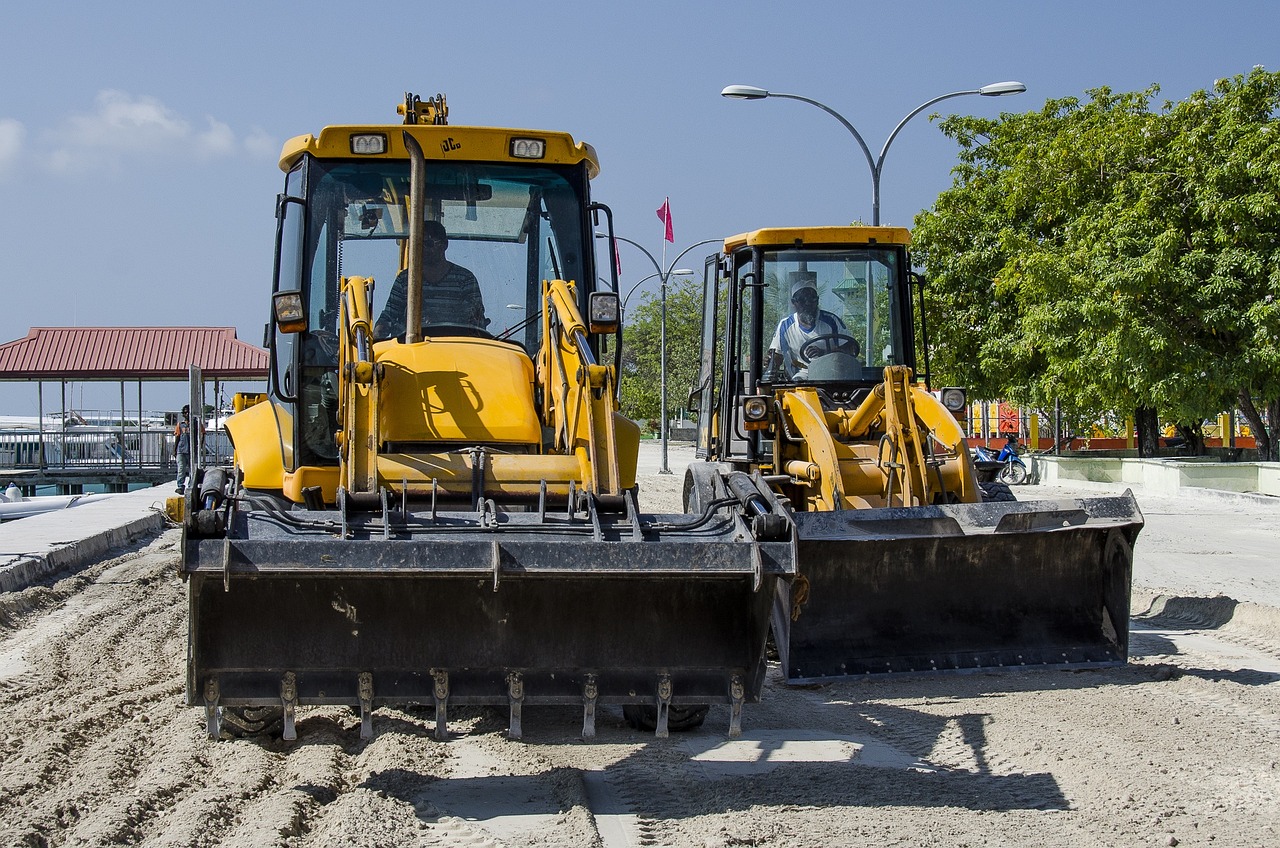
(782, 237)
(441, 142)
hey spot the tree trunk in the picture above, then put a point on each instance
(1144, 418)
(1273, 444)
(1193, 437)
(1261, 435)
(1148, 431)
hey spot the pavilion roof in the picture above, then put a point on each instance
(130, 353)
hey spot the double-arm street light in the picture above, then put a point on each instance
(750, 92)
(664, 276)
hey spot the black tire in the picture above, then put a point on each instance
(996, 492)
(679, 719)
(699, 486)
(239, 722)
(1013, 474)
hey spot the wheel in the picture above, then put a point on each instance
(847, 343)
(238, 722)
(996, 492)
(679, 719)
(1013, 473)
(699, 486)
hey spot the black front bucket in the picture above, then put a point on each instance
(965, 586)
(605, 617)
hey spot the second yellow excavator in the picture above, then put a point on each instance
(905, 561)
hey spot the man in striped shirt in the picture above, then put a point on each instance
(450, 293)
(806, 323)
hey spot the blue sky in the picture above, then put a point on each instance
(138, 140)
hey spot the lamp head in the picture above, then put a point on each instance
(744, 92)
(999, 89)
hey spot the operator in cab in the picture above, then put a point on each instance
(450, 293)
(804, 325)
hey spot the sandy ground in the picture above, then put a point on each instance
(1180, 747)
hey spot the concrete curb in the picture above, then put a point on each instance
(33, 548)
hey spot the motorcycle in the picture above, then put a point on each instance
(1005, 466)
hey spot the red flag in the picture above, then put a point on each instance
(617, 257)
(664, 213)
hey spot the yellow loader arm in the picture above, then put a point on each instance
(579, 394)
(357, 388)
(899, 447)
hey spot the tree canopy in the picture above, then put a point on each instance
(641, 344)
(1114, 256)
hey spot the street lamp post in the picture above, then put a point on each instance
(750, 92)
(664, 276)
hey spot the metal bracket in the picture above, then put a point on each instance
(477, 477)
(441, 692)
(664, 706)
(212, 712)
(364, 687)
(515, 692)
(737, 696)
(495, 553)
(226, 563)
(289, 700)
(590, 692)
(342, 512)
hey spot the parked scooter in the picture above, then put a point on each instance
(1005, 466)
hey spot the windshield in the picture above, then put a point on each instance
(828, 313)
(493, 232)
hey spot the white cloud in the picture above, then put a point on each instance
(11, 135)
(261, 145)
(122, 125)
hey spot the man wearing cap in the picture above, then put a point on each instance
(808, 322)
(450, 293)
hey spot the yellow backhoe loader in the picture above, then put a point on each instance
(436, 502)
(905, 562)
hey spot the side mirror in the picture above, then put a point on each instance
(287, 306)
(604, 312)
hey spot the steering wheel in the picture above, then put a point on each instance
(847, 344)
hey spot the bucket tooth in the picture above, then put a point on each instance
(590, 691)
(737, 696)
(441, 691)
(289, 701)
(515, 694)
(212, 712)
(365, 689)
(664, 706)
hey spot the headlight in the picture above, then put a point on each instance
(755, 413)
(953, 399)
(528, 148)
(368, 144)
(288, 311)
(603, 312)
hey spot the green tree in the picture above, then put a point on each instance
(641, 363)
(1114, 257)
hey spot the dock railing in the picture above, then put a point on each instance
(100, 447)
